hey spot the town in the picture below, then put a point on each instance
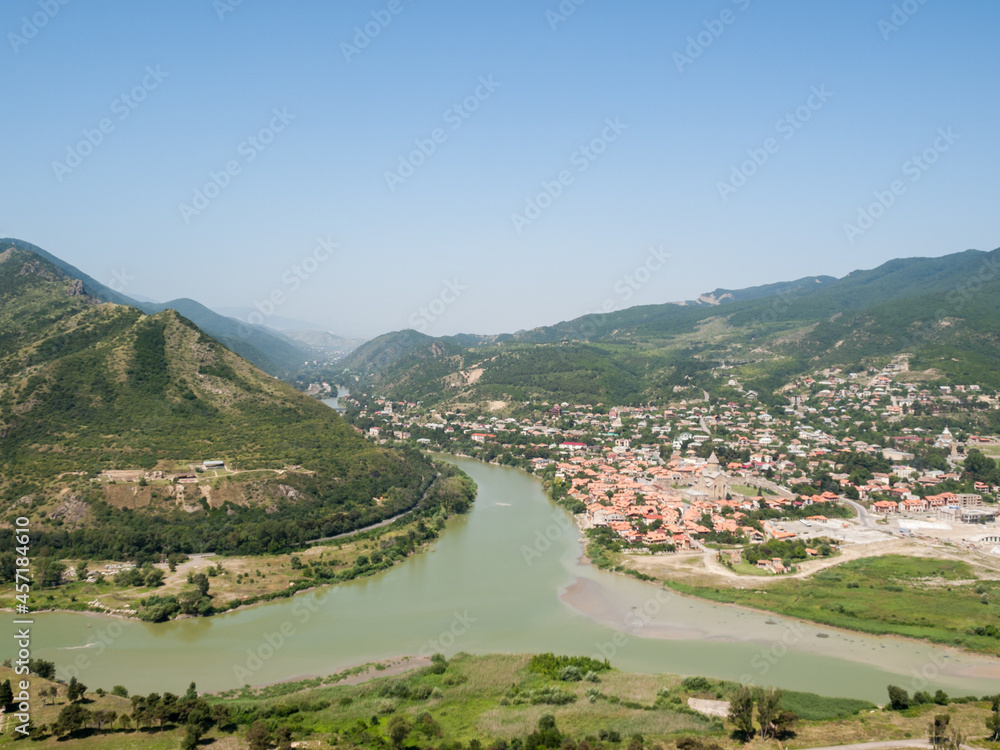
(853, 458)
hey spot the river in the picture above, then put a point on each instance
(506, 577)
(334, 403)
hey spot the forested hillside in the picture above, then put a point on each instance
(88, 386)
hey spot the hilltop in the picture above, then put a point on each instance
(276, 353)
(90, 387)
(941, 312)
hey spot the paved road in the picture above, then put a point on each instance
(863, 518)
(386, 522)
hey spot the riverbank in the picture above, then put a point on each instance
(205, 584)
(492, 584)
(485, 699)
(917, 598)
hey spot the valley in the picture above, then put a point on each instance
(804, 505)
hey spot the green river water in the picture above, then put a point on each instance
(504, 578)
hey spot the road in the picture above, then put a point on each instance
(386, 522)
(863, 518)
(890, 546)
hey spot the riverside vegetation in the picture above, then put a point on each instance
(88, 388)
(510, 702)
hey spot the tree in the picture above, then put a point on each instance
(71, 718)
(200, 580)
(768, 700)
(955, 741)
(784, 724)
(100, 718)
(427, 726)
(6, 693)
(75, 690)
(741, 711)
(937, 732)
(283, 738)
(120, 690)
(899, 699)
(153, 578)
(44, 669)
(993, 720)
(398, 728)
(259, 736)
(192, 734)
(192, 692)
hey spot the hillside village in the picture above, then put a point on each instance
(732, 471)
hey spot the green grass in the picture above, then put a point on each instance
(743, 489)
(915, 597)
(466, 702)
(814, 707)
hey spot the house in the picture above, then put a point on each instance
(885, 507)
(917, 505)
(774, 565)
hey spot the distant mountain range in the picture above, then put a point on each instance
(276, 353)
(943, 312)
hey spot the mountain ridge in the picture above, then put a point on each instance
(89, 386)
(275, 353)
(770, 333)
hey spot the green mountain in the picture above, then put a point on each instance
(275, 354)
(942, 312)
(781, 288)
(88, 386)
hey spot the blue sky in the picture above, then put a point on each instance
(600, 154)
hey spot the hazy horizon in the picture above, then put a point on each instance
(385, 165)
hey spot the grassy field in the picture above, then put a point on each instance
(939, 600)
(484, 699)
(743, 489)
